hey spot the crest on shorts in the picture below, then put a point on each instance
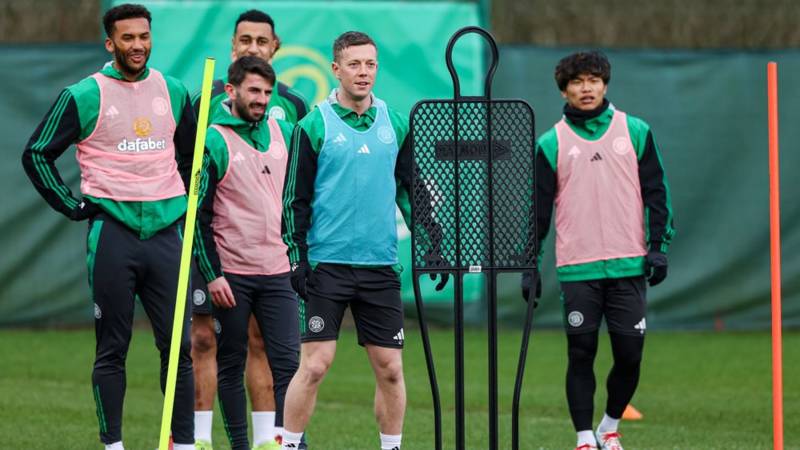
(575, 318)
(97, 313)
(217, 326)
(316, 324)
(198, 297)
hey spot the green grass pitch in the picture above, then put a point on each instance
(698, 391)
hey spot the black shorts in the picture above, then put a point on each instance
(374, 299)
(201, 300)
(622, 301)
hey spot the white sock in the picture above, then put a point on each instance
(183, 446)
(115, 446)
(586, 437)
(263, 427)
(608, 424)
(291, 440)
(202, 425)
(278, 432)
(390, 441)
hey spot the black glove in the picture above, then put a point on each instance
(443, 279)
(433, 260)
(655, 267)
(300, 272)
(83, 211)
(529, 278)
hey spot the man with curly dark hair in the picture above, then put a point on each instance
(602, 171)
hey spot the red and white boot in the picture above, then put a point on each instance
(609, 440)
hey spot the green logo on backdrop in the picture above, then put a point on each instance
(306, 70)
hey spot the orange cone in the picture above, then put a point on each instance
(632, 413)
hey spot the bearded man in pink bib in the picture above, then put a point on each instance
(134, 130)
(602, 170)
(240, 252)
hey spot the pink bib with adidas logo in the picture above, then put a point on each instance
(599, 208)
(130, 155)
(248, 206)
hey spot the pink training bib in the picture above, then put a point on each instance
(130, 155)
(248, 206)
(599, 208)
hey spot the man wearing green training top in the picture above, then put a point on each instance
(254, 35)
(349, 164)
(130, 123)
(601, 170)
(240, 253)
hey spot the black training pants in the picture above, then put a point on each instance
(622, 301)
(274, 304)
(122, 267)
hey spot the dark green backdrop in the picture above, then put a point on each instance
(708, 113)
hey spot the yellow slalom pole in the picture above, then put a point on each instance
(186, 256)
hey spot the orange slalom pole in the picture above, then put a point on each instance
(775, 257)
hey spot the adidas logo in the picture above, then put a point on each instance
(596, 157)
(238, 157)
(340, 139)
(641, 326)
(364, 149)
(574, 152)
(112, 112)
(400, 337)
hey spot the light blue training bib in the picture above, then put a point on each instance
(353, 211)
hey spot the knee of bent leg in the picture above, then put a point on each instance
(390, 372)
(630, 362)
(314, 370)
(580, 354)
(627, 351)
(203, 339)
(582, 348)
(111, 358)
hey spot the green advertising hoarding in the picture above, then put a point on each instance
(411, 39)
(713, 147)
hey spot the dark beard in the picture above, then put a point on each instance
(124, 67)
(245, 115)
